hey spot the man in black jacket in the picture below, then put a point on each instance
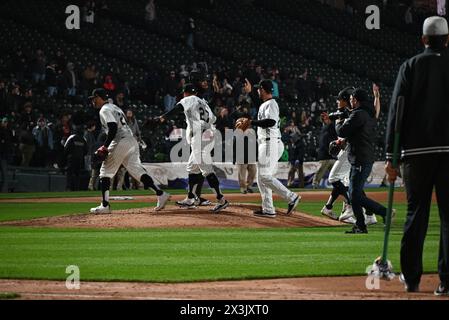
(75, 149)
(359, 132)
(327, 135)
(423, 81)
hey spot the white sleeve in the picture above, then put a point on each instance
(107, 115)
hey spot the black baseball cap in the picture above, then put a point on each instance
(266, 84)
(189, 88)
(345, 94)
(99, 92)
(360, 94)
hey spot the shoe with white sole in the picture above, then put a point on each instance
(350, 220)
(292, 205)
(369, 220)
(162, 201)
(186, 203)
(101, 210)
(348, 213)
(329, 213)
(202, 202)
(221, 205)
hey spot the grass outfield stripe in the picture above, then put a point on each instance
(192, 255)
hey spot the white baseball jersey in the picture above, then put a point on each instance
(199, 117)
(269, 110)
(111, 113)
(124, 149)
(198, 114)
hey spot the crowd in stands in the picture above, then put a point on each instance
(34, 127)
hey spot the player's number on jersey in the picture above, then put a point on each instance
(204, 115)
(122, 120)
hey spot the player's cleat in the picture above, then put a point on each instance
(407, 286)
(162, 201)
(249, 190)
(186, 203)
(347, 214)
(370, 219)
(356, 230)
(442, 290)
(329, 213)
(100, 209)
(292, 205)
(202, 202)
(350, 220)
(243, 191)
(260, 213)
(221, 205)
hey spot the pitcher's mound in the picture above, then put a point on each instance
(235, 216)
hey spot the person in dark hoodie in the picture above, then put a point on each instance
(75, 149)
(359, 132)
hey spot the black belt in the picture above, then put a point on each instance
(268, 139)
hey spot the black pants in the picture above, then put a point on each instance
(421, 174)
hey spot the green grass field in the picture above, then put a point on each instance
(178, 255)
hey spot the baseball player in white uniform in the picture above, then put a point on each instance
(339, 174)
(270, 149)
(200, 132)
(120, 148)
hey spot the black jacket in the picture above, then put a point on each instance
(327, 135)
(360, 133)
(75, 149)
(424, 82)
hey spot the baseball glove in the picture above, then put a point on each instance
(102, 153)
(335, 148)
(243, 124)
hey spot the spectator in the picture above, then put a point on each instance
(291, 128)
(75, 149)
(62, 132)
(93, 145)
(61, 62)
(150, 12)
(70, 80)
(19, 65)
(121, 101)
(109, 84)
(6, 148)
(43, 136)
(190, 30)
(51, 79)
(296, 151)
(327, 135)
(183, 73)
(304, 87)
(90, 78)
(321, 89)
(247, 171)
(27, 145)
(305, 125)
(170, 89)
(275, 86)
(38, 66)
(223, 121)
(133, 124)
(14, 99)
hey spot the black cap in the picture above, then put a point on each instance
(266, 84)
(360, 94)
(345, 94)
(100, 92)
(189, 88)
